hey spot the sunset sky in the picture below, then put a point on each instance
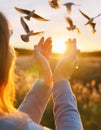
(56, 27)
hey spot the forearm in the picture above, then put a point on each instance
(65, 109)
(36, 100)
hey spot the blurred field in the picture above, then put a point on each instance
(86, 84)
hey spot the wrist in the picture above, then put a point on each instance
(48, 81)
(58, 78)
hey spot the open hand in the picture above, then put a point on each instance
(42, 52)
(45, 47)
(67, 64)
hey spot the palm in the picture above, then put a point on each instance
(45, 47)
(42, 52)
(66, 65)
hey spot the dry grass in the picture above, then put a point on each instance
(86, 84)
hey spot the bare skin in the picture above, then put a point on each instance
(42, 53)
(64, 67)
(67, 64)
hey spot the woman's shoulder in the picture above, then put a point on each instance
(13, 122)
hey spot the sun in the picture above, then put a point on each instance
(58, 46)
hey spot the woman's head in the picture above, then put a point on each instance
(6, 64)
(4, 47)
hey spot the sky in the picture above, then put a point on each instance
(56, 27)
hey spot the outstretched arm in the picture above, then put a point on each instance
(36, 100)
(65, 107)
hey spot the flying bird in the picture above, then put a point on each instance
(71, 25)
(69, 6)
(30, 14)
(90, 20)
(54, 4)
(25, 37)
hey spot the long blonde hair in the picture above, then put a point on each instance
(7, 90)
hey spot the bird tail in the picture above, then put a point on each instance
(94, 31)
(79, 32)
(24, 37)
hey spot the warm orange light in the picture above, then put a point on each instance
(59, 46)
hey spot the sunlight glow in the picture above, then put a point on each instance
(58, 45)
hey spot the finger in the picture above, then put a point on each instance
(70, 45)
(68, 42)
(36, 50)
(37, 55)
(47, 42)
(49, 48)
(35, 47)
(74, 44)
(48, 51)
(40, 44)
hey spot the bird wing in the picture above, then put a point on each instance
(30, 15)
(68, 19)
(37, 33)
(84, 15)
(25, 26)
(97, 15)
(54, 4)
(68, 6)
(36, 16)
(23, 11)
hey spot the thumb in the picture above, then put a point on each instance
(36, 49)
(36, 54)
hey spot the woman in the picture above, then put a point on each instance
(29, 114)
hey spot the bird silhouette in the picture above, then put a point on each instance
(90, 21)
(71, 25)
(30, 14)
(54, 4)
(25, 37)
(69, 6)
